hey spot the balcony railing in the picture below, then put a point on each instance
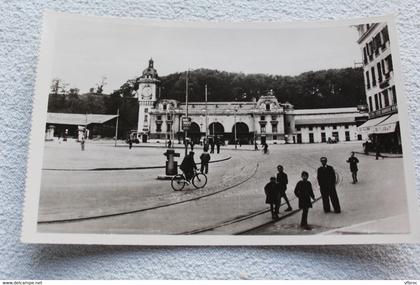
(384, 111)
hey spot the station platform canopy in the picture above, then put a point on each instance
(78, 119)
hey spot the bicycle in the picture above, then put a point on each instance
(199, 181)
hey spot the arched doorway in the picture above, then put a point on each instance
(242, 133)
(217, 131)
(194, 133)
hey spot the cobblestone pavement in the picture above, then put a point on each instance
(233, 201)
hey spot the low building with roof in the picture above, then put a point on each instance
(71, 125)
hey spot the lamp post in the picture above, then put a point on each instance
(234, 121)
(186, 113)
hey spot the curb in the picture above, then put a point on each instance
(124, 168)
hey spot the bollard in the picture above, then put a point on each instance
(171, 164)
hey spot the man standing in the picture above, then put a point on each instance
(212, 146)
(218, 145)
(205, 158)
(326, 180)
(282, 184)
(353, 166)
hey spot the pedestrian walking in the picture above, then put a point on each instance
(205, 158)
(353, 166)
(169, 143)
(212, 146)
(282, 184)
(304, 193)
(130, 143)
(265, 149)
(218, 146)
(255, 145)
(326, 180)
(82, 143)
(271, 190)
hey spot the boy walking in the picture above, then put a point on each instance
(304, 193)
(272, 197)
(353, 166)
(282, 184)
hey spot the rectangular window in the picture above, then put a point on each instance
(347, 133)
(267, 107)
(169, 117)
(274, 117)
(386, 99)
(164, 106)
(146, 118)
(297, 128)
(263, 129)
(385, 35)
(322, 128)
(365, 57)
(146, 110)
(311, 128)
(323, 137)
(311, 138)
(262, 118)
(380, 100)
(376, 102)
(394, 95)
(168, 127)
(274, 128)
(159, 118)
(370, 104)
(274, 137)
(372, 70)
(334, 127)
(158, 128)
(367, 80)
(346, 126)
(378, 65)
(335, 135)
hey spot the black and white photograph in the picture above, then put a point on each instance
(200, 133)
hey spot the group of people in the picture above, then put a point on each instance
(275, 190)
(188, 165)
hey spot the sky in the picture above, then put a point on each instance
(88, 49)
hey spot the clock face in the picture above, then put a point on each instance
(146, 93)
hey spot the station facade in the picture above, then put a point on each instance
(262, 120)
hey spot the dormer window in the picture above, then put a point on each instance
(164, 107)
(267, 107)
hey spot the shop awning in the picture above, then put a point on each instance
(382, 125)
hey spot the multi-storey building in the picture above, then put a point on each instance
(381, 97)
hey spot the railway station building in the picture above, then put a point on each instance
(262, 120)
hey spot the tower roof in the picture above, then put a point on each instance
(150, 71)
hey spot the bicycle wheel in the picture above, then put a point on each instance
(199, 180)
(178, 182)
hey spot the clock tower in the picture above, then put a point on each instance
(146, 93)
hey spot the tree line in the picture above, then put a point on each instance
(330, 88)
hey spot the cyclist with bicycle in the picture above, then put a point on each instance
(188, 166)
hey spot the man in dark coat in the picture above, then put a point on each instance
(326, 180)
(282, 184)
(353, 166)
(212, 146)
(188, 165)
(218, 145)
(304, 192)
(205, 158)
(272, 197)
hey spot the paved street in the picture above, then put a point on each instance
(134, 201)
